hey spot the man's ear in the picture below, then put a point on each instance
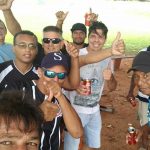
(39, 72)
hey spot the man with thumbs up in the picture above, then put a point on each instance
(47, 93)
(52, 73)
(87, 106)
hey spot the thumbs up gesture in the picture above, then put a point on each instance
(71, 49)
(107, 73)
(49, 109)
(118, 46)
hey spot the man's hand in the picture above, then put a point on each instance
(83, 89)
(53, 89)
(71, 49)
(118, 46)
(130, 97)
(107, 73)
(93, 17)
(5, 4)
(61, 16)
(49, 109)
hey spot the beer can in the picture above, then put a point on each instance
(132, 101)
(133, 135)
(87, 19)
(87, 83)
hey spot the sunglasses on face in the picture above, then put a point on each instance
(53, 40)
(52, 74)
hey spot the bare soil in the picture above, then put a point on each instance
(115, 125)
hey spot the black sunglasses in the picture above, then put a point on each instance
(53, 40)
(52, 74)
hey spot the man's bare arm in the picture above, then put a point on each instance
(11, 22)
(61, 16)
(117, 48)
(73, 80)
(112, 83)
(131, 89)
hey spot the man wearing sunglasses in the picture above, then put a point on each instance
(46, 91)
(52, 73)
(13, 26)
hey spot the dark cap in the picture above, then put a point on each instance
(53, 59)
(79, 26)
(141, 62)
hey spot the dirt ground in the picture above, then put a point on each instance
(115, 125)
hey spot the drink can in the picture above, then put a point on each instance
(133, 135)
(87, 83)
(87, 19)
(132, 101)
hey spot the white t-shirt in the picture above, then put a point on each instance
(89, 104)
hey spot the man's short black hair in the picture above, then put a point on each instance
(79, 26)
(52, 29)
(98, 25)
(25, 32)
(16, 108)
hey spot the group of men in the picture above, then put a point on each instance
(50, 73)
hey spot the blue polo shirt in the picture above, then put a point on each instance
(6, 52)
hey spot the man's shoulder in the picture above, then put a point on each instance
(5, 64)
(85, 45)
(148, 48)
(145, 49)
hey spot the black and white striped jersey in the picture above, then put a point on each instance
(9, 73)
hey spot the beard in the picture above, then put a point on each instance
(78, 43)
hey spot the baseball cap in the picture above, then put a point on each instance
(79, 26)
(53, 59)
(141, 62)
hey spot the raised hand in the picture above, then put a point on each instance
(61, 16)
(49, 108)
(93, 17)
(118, 46)
(5, 4)
(71, 49)
(53, 89)
(107, 73)
(83, 89)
